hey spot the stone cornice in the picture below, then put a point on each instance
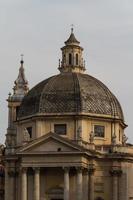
(78, 115)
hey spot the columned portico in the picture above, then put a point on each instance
(24, 184)
(79, 184)
(66, 183)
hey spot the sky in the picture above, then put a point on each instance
(38, 29)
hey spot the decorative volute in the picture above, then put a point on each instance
(21, 84)
(72, 60)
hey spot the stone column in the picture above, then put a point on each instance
(79, 184)
(6, 184)
(37, 184)
(91, 181)
(12, 185)
(24, 190)
(85, 184)
(66, 183)
(115, 173)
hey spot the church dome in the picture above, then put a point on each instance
(71, 93)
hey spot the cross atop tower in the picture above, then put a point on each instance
(72, 28)
(22, 59)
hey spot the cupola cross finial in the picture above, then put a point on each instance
(22, 58)
(72, 28)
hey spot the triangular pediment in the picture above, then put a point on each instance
(50, 142)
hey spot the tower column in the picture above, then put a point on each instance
(79, 184)
(66, 183)
(24, 184)
(37, 184)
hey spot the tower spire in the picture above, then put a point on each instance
(14, 101)
(21, 84)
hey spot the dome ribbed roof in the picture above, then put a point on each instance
(70, 93)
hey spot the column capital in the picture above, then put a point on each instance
(79, 169)
(85, 171)
(36, 169)
(66, 169)
(115, 172)
(91, 169)
(24, 169)
(12, 173)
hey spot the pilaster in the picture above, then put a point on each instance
(115, 173)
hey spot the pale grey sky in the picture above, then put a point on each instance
(38, 28)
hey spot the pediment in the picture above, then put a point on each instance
(50, 143)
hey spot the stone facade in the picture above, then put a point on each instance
(65, 138)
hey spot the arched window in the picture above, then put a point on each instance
(77, 59)
(70, 59)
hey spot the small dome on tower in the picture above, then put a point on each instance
(72, 39)
(72, 56)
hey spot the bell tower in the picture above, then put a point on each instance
(72, 60)
(14, 100)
